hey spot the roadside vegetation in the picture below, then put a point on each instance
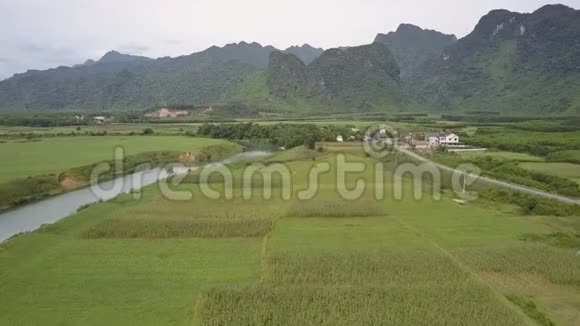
(513, 171)
(569, 171)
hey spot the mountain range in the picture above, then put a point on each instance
(510, 63)
(357, 77)
(412, 46)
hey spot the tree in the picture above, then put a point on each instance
(148, 132)
(310, 143)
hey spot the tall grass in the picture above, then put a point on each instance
(555, 265)
(336, 208)
(397, 288)
(407, 268)
(160, 228)
(312, 305)
(529, 308)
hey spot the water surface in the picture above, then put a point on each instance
(31, 216)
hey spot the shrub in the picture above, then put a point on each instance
(21, 191)
(148, 131)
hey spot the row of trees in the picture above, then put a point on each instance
(282, 135)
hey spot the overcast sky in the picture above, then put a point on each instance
(41, 34)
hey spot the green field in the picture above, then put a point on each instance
(522, 157)
(115, 128)
(565, 170)
(565, 156)
(22, 158)
(388, 262)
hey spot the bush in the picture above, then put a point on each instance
(21, 191)
(572, 156)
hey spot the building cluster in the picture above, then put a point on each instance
(429, 140)
(167, 113)
(419, 140)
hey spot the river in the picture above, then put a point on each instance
(31, 216)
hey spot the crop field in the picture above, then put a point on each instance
(525, 141)
(522, 157)
(113, 129)
(40, 156)
(324, 261)
(565, 170)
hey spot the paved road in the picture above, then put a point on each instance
(504, 184)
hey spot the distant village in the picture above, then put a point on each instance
(416, 140)
(162, 113)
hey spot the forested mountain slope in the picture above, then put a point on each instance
(510, 63)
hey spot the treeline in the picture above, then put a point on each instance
(487, 118)
(517, 140)
(41, 120)
(282, 135)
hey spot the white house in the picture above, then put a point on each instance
(442, 139)
(101, 119)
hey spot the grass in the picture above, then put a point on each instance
(179, 228)
(565, 156)
(565, 170)
(392, 268)
(20, 190)
(555, 266)
(111, 129)
(522, 157)
(530, 308)
(294, 154)
(525, 141)
(56, 277)
(245, 262)
(55, 155)
(556, 239)
(361, 208)
(311, 305)
(322, 236)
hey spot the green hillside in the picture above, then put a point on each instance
(511, 63)
(412, 46)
